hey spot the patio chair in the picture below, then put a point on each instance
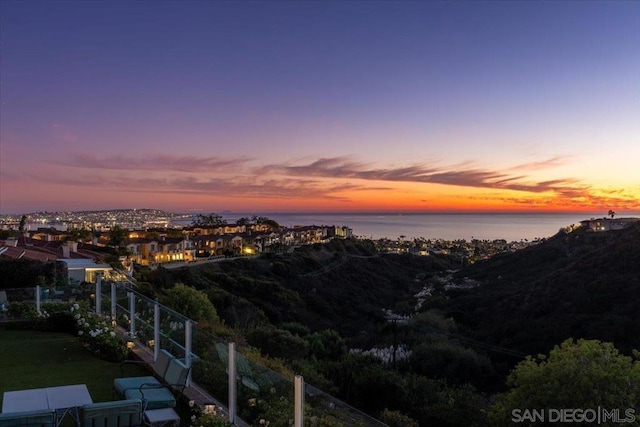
(158, 395)
(159, 367)
(39, 418)
(119, 413)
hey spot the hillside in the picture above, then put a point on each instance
(462, 343)
(343, 285)
(581, 285)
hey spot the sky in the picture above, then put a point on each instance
(314, 106)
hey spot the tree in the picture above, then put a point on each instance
(23, 221)
(211, 220)
(191, 303)
(77, 234)
(278, 343)
(328, 345)
(263, 220)
(611, 213)
(585, 374)
(243, 221)
(117, 235)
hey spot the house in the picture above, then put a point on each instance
(607, 224)
(204, 245)
(309, 234)
(48, 234)
(84, 270)
(338, 231)
(142, 250)
(226, 244)
(172, 249)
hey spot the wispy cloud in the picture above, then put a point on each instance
(543, 164)
(332, 178)
(158, 162)
(341, 167)
(231, 186)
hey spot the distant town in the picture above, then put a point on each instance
(150, 237)
(101, 220)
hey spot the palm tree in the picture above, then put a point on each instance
(611, 213)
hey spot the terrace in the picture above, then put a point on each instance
(222, 375)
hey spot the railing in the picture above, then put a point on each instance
(251, 390)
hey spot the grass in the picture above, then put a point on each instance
(34, 359)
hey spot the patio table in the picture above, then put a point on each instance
(25, 400)
(63, 399)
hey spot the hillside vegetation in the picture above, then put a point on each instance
(410, 338)
(343, 285)
(581, 285)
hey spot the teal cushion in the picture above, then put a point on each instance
(154, 398)
(120, 385)
(44, 418)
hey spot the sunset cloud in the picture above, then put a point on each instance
(341, 167)
(337, 179)
(158, 162)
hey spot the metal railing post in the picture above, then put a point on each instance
(187, 347)
(298, 390)
(132, 314)
(232, 382)
(98, 309)
(113, 301)
(156, 330)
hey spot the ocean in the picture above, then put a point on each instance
(448, 226)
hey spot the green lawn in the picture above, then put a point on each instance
(32, 359)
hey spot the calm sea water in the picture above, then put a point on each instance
(451, 226)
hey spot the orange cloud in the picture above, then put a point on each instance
(338, 183)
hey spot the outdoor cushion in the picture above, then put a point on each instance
(42, 418)
(121, 385)
(160, 366)
(153, 397)
(119, 413)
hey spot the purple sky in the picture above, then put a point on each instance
(340, 106)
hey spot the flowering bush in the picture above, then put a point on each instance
(212, 418)
(97, 333)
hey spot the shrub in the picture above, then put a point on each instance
(209, 419)
(96, 332)
(22, 310)
(397, 419)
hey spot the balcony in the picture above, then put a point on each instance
(229, 376)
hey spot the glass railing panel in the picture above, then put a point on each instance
(17, 303)
(210, 367)
(324, 408)
(123, 315)
(172, 332)
(262, 393)
(144, 312)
